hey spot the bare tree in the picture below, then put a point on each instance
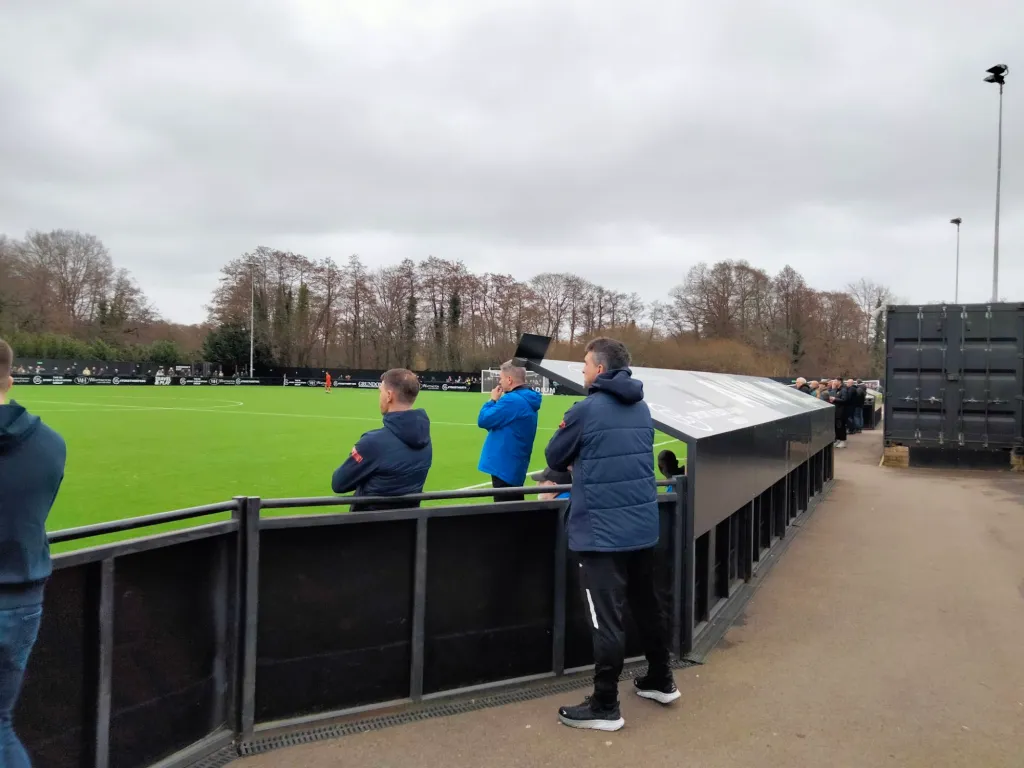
(868, 294)
(553, 299)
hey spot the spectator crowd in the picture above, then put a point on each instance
(847, 396)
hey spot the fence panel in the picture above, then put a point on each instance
(56, 714)
(169, 685)
(335, 617)
(490, 598)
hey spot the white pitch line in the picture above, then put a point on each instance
(113, 400)
(532, 471)
(127, 408)
(238, 412)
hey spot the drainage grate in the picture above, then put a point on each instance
(431, 711)
(218, 759)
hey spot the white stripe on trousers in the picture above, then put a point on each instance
(593, 613)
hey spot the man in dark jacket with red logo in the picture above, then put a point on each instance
(613, 528)
(394, 460)
(32, 458)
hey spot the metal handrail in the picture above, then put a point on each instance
(190, 513)
(133, 523)
(473, 493)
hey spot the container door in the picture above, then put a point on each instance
(916, 387)
(988, 377)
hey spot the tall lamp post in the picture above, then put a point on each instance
(252, 316)
(997, 75)
(956, 293)
(252, 319)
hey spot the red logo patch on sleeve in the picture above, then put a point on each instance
(355, 455)
(562, 425)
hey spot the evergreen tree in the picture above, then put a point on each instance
(409, 330)
(454, 319)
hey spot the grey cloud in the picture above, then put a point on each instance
(522, 133)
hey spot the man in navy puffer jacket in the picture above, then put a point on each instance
(32, 458)
(510, 418)
(394, 460)
(613, 526)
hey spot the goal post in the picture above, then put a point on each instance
(489, 380)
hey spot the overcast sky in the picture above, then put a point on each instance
(621, 141)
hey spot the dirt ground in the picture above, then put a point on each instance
(891, 633)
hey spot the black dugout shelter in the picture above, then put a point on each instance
(742, 433)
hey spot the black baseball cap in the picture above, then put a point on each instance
(552, 476)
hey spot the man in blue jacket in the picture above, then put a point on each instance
(394, 460)
(32, 458)
(510, 418)
(613, 528)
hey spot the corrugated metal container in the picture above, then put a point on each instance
(954, 376)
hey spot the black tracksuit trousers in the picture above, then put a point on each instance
(610, 581)
(497, 482)
(840, 423)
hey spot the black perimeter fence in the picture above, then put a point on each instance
(253, 631)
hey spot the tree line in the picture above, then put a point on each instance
(62, 297)
(61, 288)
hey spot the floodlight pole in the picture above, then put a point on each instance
(999, 183)
(997, 75)
(956, 291)
(252, 318)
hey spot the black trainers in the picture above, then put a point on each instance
(590, 716)
(663, 692)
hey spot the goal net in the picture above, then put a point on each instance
(489, 380)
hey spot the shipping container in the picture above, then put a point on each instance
(954, 379)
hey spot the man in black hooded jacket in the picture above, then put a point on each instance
(393, 460)
(32, 458)
(840, 398)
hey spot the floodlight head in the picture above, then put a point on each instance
(958, 221)
(997, 74)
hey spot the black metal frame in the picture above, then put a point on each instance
(750, 534)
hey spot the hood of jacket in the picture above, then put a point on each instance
(532, 398)
(621, 385)
(411, 427)
(16, 424)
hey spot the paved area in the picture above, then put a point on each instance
(890, 634)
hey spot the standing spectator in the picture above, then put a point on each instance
(840, 398)
(32, 458)
(851, 406)
(549, 476)
(801, 386)
(668, 465)
(510, 418)
(613, 528)
(861, 391)
(393, 460)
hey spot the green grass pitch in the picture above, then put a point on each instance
(139, 450)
